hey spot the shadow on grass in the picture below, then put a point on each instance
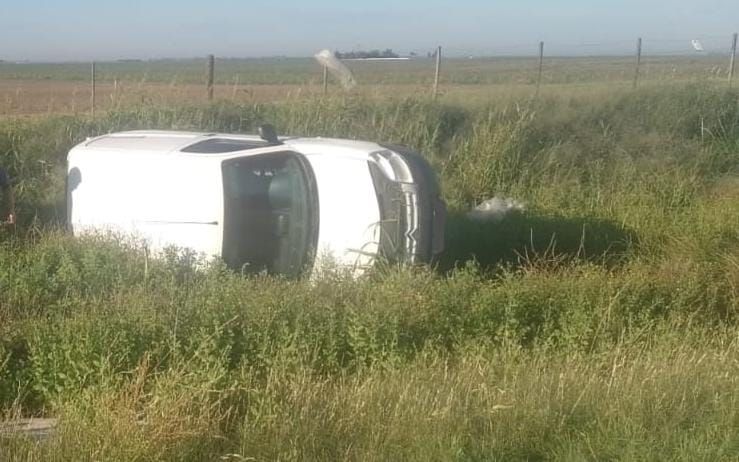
(522, 237)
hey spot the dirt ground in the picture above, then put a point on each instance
(38, 97)
(34, 97)
(28, 97)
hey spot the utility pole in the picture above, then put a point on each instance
(733, 59)
(638, 62)
(541, 65)
(211, 71)
(437, 72)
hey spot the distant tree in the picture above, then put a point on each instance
(388, 53)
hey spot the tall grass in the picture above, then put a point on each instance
(601, 323)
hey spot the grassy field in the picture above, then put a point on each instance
(600, 324)
(48, 88)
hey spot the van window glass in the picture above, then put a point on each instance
(270, 213)
(221, 145)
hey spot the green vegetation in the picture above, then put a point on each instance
(600, 324)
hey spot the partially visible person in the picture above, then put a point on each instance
(7, 199)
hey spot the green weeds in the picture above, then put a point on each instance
(599, 323)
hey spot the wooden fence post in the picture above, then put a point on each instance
(437, 71)
(234, 90)
(541, 65)
(638, 62)
(733, 59)
(211, 70)
(92, 89)
(325, 80)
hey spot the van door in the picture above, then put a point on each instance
(270, 213)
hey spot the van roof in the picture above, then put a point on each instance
(166, 141)
(173, 141)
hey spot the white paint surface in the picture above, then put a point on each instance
(140, 184)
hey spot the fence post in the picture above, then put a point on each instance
(211, 69)
(733, 59)
(437, 71)
(234, 90)
(541, 65)
(92, 89)
(325, 80)
(638, 62)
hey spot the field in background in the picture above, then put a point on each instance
(600, 324)
(54, 88)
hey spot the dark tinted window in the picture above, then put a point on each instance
(221, 145)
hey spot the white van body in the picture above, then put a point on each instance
(284, 206)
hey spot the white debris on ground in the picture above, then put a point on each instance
(495, 209)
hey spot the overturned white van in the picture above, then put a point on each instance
(258, 202)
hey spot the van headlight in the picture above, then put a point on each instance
(393, 166)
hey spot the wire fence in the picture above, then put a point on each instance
(511, 68)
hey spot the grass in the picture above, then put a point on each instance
(601, 323)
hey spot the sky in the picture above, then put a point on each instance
(82, 30)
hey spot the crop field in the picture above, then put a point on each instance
(43, 88)
(601, 323)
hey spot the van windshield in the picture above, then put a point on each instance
(270, 213)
